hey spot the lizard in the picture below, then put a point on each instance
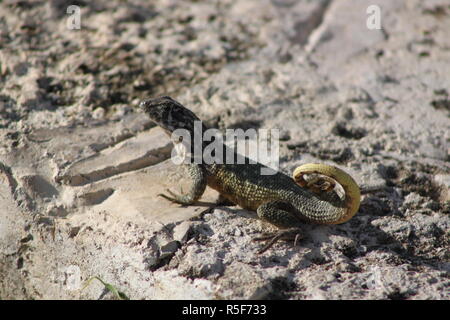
(278, 199)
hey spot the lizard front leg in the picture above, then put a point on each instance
(283, 215)
(198, 176)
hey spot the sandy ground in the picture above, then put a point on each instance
(80, 165)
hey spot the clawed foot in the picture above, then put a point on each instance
(177, 198)
(285, 234)
(172, 198)
(320, 184)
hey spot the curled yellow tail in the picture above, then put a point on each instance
(351, 189)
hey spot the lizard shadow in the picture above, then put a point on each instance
(288, 252)
(402, 247)
(363, 238)
(200, 204)
(367, 237)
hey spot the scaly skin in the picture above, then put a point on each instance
(277, 199)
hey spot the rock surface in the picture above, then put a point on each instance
(81, 167)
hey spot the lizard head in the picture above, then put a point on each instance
(169, 114)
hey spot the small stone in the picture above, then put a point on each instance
(181, 231)
(168, 249)
(98, 113)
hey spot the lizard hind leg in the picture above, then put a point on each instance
(294, 234)
(281, 214)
